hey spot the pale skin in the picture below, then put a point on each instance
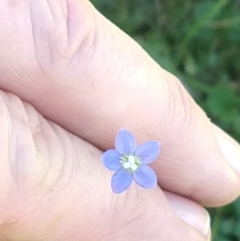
(69, 81)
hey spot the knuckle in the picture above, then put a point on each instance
(25, 166)
(60, 29)
(180, 105)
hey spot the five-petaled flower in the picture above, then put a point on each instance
(131, 162)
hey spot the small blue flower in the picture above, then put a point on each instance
(131, 162)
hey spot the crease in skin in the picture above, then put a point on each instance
(136, 68)
(11, 203)
(21, 133)
(81, 23)
(187, 121)
(38, 56)
(62, 43)
(12, 70)
(57, 159)
(6, 171)
(16, 134)
(42, 152)
(133, 71)
(177, 94)
(23, 72)
(68, 161)
(67, 23)
(51, 10)
(23, 138)
(59, 14)
(27, 202)
(83, 45)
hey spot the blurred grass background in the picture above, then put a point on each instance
(199, 41)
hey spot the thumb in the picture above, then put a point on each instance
(54, 188)
(81, 71)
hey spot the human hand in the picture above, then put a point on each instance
(88, 78)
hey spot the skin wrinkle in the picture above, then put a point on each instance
(169, 112)
(50, 50)
(67, 23)
(7, 77)
(36, 131)
(189, 112)
(22, 158)
(119, 228)
(14, 137)
(136, 210)
(127, 69)
(30, 116)
(178, 94)
(35, 44)
(76, 166)
(63, 161)
(21, 26)
(121, 225)
(77, 29)
(25, 217)
(60, 17)
(49, 178)
(11, 156)
(44, 35)
(102, 31)
(24, 72)
(26, 121)
(144, 236)
(11, 69)
(12, 152)
(186, 102)
(133, 76)
(20, 179)
(66, 145)
(67, 48)
(85, 45)
(51, 11)
(98, 41)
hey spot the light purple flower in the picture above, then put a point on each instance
(131, 162)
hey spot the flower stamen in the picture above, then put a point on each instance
(130, 162)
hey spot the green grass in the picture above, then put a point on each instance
(199, 41)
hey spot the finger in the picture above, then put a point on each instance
(82, 72)
(187, 210)
(50, 192)
(229, 147)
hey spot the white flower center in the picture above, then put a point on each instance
(130, 162)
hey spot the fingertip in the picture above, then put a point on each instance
(229, 148)
(190, 212)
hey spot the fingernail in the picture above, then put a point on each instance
(190, 212)
(230, 148)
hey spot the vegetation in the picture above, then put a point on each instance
(199, 41)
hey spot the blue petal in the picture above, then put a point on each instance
(145, 177)
(125, 142)
(148, 151)
(121, 180)
(111, 160)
